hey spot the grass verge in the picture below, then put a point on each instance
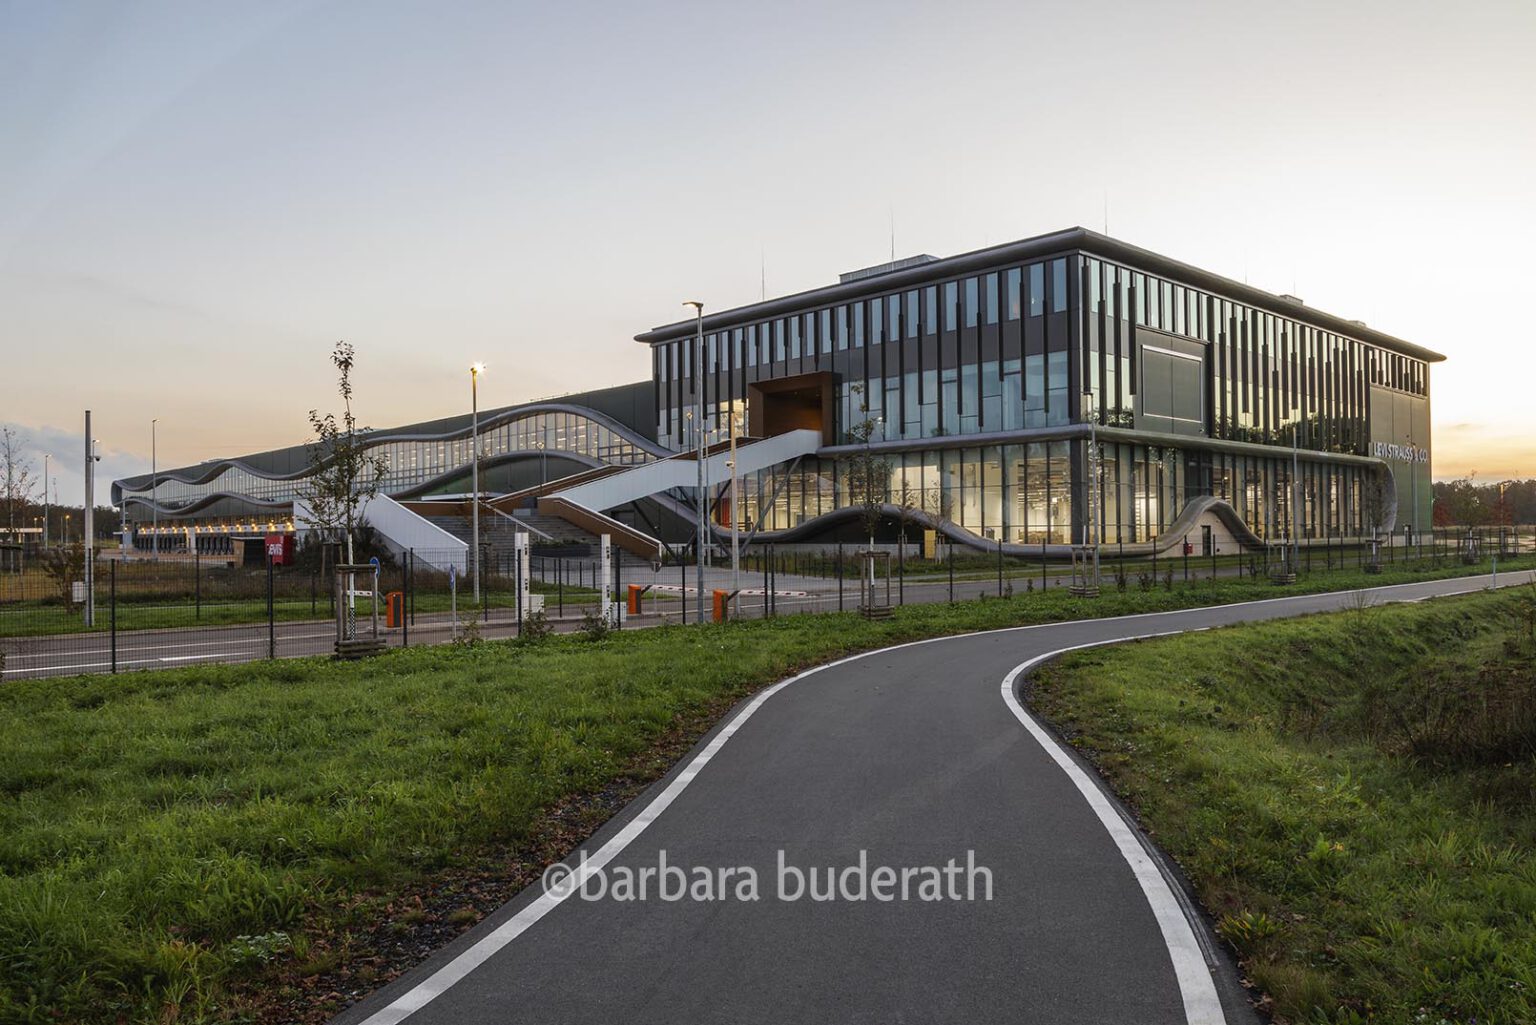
(1350, 794)
(195, 844)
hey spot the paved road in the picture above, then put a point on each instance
(914, 755)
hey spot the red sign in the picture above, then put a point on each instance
(280, 549)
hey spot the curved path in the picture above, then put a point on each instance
(913, 755)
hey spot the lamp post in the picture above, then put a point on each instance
(698, 428)
(543, 471)
(47, 510)
(735, 513)
(1413, 484)
(475, 370)
(154, 490)
(1093, 479)
(89, 528)
(1295, 497)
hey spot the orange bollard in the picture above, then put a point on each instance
(722, 605)
(635, 591)
(394, 609)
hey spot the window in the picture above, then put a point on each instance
(1015, 300)
(858, 325)
(930, 309)
(970, 302)
(794, 337)
(989, 288)
(1036, 289)
(951, 305)
(876, 321)
(912, 314)
(841, 314)
(1058, 285)
(893, 318)
(825, 330)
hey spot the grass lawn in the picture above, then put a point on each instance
(180, 843)
(1351, 795)
(35, 618)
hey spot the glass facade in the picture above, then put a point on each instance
(1011, 348)
(978, 354)
(414, 463)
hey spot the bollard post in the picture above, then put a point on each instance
(197, 580)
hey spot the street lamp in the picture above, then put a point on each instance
(154, 489)
(475, 370)
(543, 469)
(1093, 480)
(698, 429)
(735, 512)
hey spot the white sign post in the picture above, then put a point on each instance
(610, 607)
(520, 551)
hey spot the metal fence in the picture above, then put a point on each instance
(186, 610)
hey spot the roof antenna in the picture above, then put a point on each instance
(762, 263)
(1106, 211)
(892, 209)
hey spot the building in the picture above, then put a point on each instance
(955, 394)
(975, 377)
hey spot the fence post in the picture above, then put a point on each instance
(901, 568)
(840, 576)
(112, 600)
(410, 584)
(405, 598)
(1044, 582)
(999, 567)
(197, 579)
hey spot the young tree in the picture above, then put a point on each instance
(18, 479)
(343, 475)
(869, 475)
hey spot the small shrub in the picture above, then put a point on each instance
(1248, 930)
(536, 627)
(469, 633)
(1121, 579)
(1144, 580)
(250, 952)
(594, 625)
(1167, 579)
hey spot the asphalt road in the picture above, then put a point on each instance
(914, 756)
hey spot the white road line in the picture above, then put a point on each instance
(1202, 1005)
(439, 982)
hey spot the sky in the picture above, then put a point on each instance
(198, 200)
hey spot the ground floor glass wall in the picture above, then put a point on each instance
(1023, 494)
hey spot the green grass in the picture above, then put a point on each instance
(35, 618)
(168, 839)
(1351, 795)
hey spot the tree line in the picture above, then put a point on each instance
(1466, 503)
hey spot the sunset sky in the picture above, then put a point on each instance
(197, 200)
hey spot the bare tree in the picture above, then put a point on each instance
(18, 478)
(343, 475)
